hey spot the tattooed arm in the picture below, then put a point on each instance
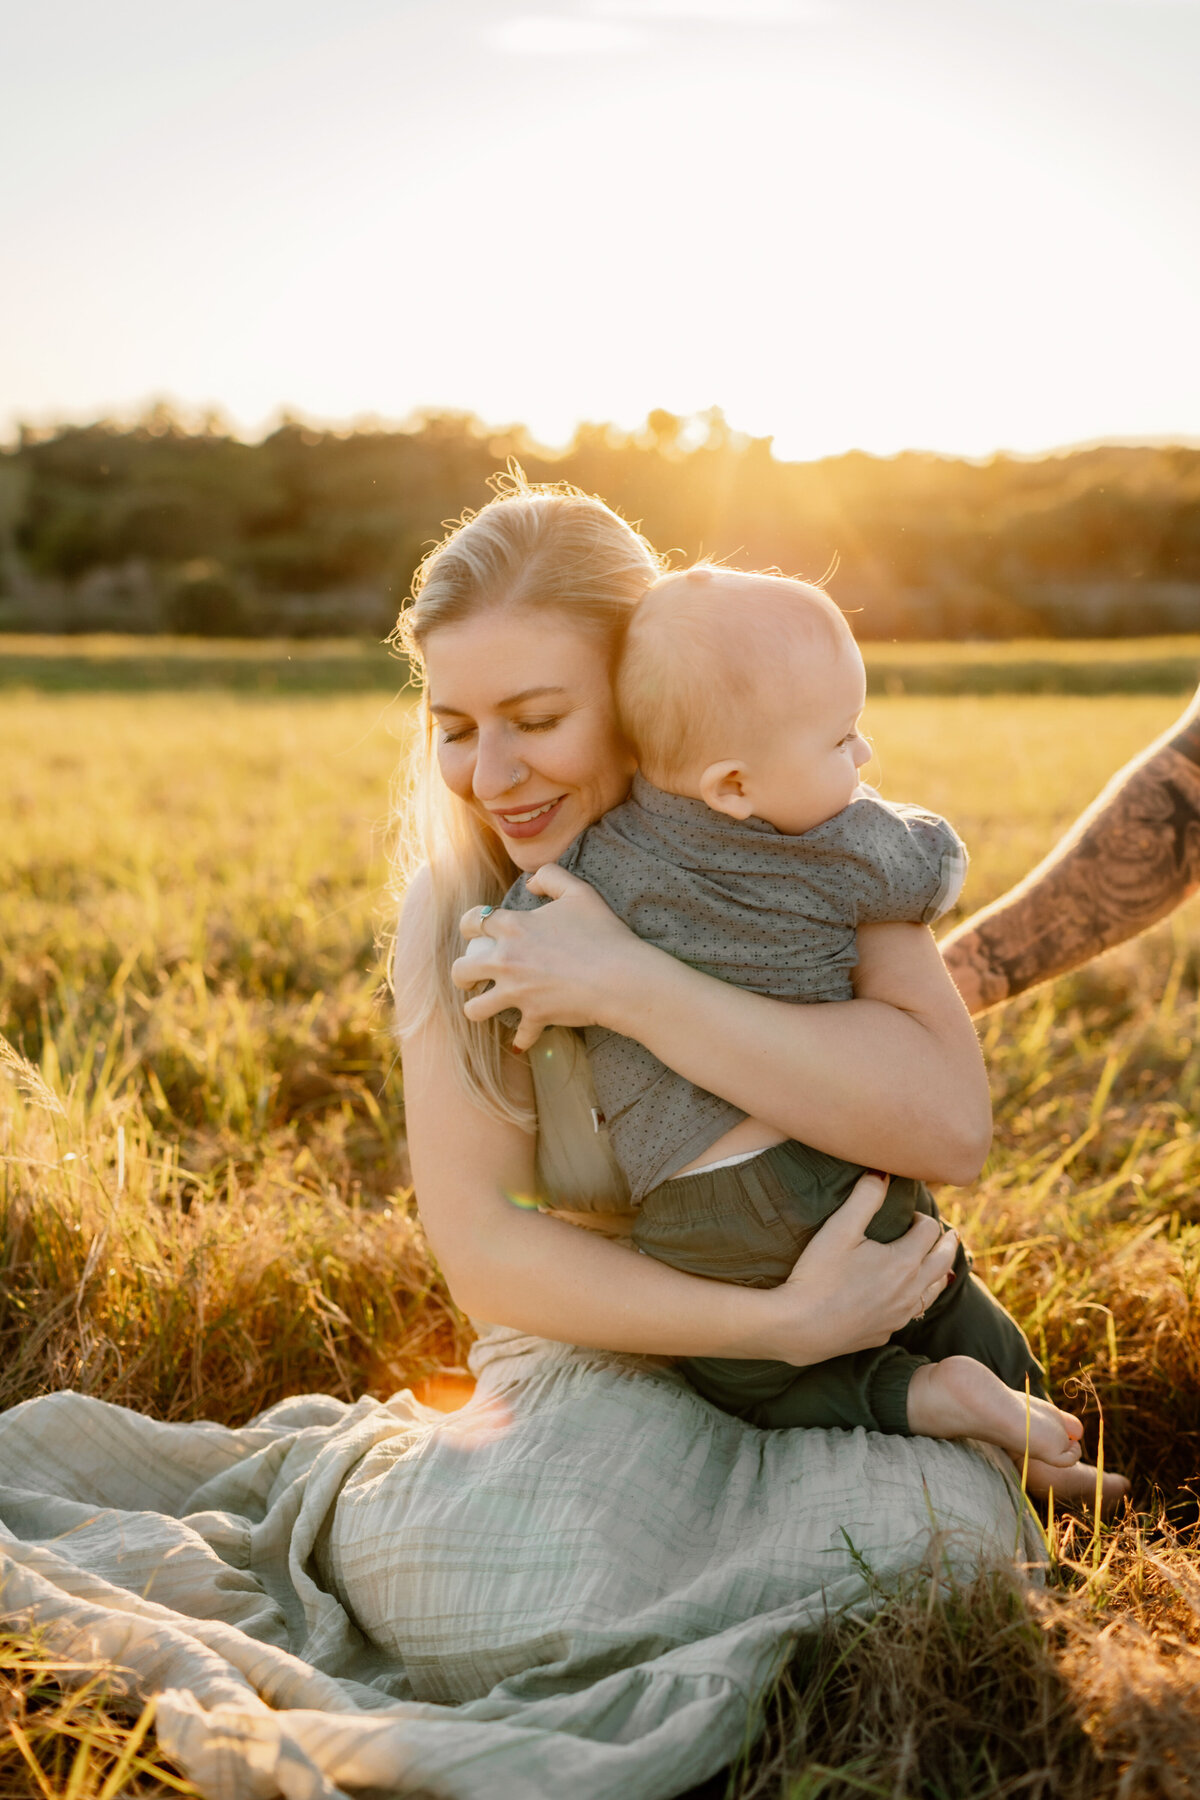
(1125, 863)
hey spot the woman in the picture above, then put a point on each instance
(516, 620)
(595, 1570)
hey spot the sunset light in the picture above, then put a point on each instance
(848, 223)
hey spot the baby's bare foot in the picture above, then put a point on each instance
(961, 1398)
(1078, 1483)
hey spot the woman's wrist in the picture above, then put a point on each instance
(785, 1337)
(631, 984)
(762, 1324)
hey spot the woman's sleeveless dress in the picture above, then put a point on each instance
(581, 1583)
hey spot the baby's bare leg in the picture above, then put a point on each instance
(959, 1397)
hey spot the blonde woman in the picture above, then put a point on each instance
(636, 1522)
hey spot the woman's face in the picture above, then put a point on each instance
(526, 729)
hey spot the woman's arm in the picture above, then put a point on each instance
(893, 1078)
(1130, 859)
(515, 1266)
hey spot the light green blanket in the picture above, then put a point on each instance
(581, 1585)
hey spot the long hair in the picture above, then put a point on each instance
(547, 548)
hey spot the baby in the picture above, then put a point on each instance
(749, 849)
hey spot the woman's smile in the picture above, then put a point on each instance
(531, 822)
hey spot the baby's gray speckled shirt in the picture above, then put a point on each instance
(740, 900)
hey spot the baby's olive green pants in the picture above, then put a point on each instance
(749, 1223)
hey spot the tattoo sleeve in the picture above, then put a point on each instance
(1130, 859)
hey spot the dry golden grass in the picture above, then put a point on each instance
(220, 1213)
(1086, 1691)
(190, 893)
(67, 1729)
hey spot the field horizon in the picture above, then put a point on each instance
(113, 662)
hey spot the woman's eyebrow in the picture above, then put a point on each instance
(531, 693)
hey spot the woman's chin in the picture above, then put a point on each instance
(529, 854)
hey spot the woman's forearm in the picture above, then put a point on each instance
(894, 1080)
(1127, 862)
(537, 1274)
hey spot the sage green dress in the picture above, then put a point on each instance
(580, 1584)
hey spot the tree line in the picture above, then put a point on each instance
(162, 525)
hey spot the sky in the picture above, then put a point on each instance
(949, 225)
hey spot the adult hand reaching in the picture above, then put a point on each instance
(1127, 861)
(849, 1293)
(559, 965)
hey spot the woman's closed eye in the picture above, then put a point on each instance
(464, 731)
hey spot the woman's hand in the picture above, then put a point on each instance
(849, 1293)
(558, 965)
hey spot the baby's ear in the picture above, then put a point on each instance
(723, 788)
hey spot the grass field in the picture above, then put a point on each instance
(192, 886)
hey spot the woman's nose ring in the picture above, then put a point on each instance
(518, 776)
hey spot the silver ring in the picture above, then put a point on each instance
(485, 912)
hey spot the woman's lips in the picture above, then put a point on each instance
(519, 824)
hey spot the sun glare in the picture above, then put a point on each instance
(541, 35)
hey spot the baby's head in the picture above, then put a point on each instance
(744, 691)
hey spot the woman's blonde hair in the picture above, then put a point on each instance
(547, 548)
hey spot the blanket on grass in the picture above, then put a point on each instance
(582, 1583)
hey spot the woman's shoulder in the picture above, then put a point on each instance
(415, 921)
(416, 904)
(413, 954)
